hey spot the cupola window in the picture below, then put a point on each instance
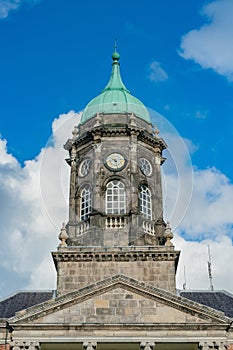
(85, 202)
(145, 202)
(115, 197)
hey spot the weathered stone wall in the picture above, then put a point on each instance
(119, 306)
(74, 274)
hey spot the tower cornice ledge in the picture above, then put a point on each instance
(116, 129)
(130, 253)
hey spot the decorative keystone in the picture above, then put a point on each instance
(168, 235)
(147, 345)
(63, 236)
(89, 345)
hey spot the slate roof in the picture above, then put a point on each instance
(218, 300)
(22, 300)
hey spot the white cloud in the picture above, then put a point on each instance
(33, 207)
(194, 257)
(156, 72)
(210, 212)
(208, 220)
(6, 6)
(211, 46)
(204, 220)
(6, 158)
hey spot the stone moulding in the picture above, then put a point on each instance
(112, 256)
(111, 130)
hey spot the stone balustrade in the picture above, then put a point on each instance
(115, 221)
(148, 227)
(82, 227)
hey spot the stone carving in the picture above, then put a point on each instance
(147, 345)
(63, 236)
(25, 346)
(212, 345)
(89, 345)
(168, 235)
(132, 120)
(73, 155)
(75, 132)
(98, 120)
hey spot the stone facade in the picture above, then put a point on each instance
(117, 306)
(120, 311)
(96, 144)
(81, 267)
(129, 243)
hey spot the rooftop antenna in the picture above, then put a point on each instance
(210, 269)
(184, 284)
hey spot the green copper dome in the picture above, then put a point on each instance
(115, 98)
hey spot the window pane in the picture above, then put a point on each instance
(85, 203)
(145, 202)
(115, 197)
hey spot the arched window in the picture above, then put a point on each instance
(85, 202)
(115, 197)
(145, 202)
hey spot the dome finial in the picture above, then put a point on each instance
(115, 55)
(115, 45)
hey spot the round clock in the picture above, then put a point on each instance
(115, 161)
(145, 166)
(84, 167)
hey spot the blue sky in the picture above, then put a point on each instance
(176, 56)
(56, 55)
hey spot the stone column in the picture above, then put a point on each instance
(147, 345)
(88, 345)
(24, 346)
(206, 345)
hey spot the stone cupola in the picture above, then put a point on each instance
(115, 204)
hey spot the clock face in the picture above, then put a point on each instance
(145, 166)
(84, 167)
(115, 161)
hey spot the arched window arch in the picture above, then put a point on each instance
(85, 202)
(115, 197)
(145, 202)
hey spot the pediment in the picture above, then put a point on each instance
(119, 300)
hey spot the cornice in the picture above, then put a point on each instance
(118, 256)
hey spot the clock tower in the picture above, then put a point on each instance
(116, 224)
